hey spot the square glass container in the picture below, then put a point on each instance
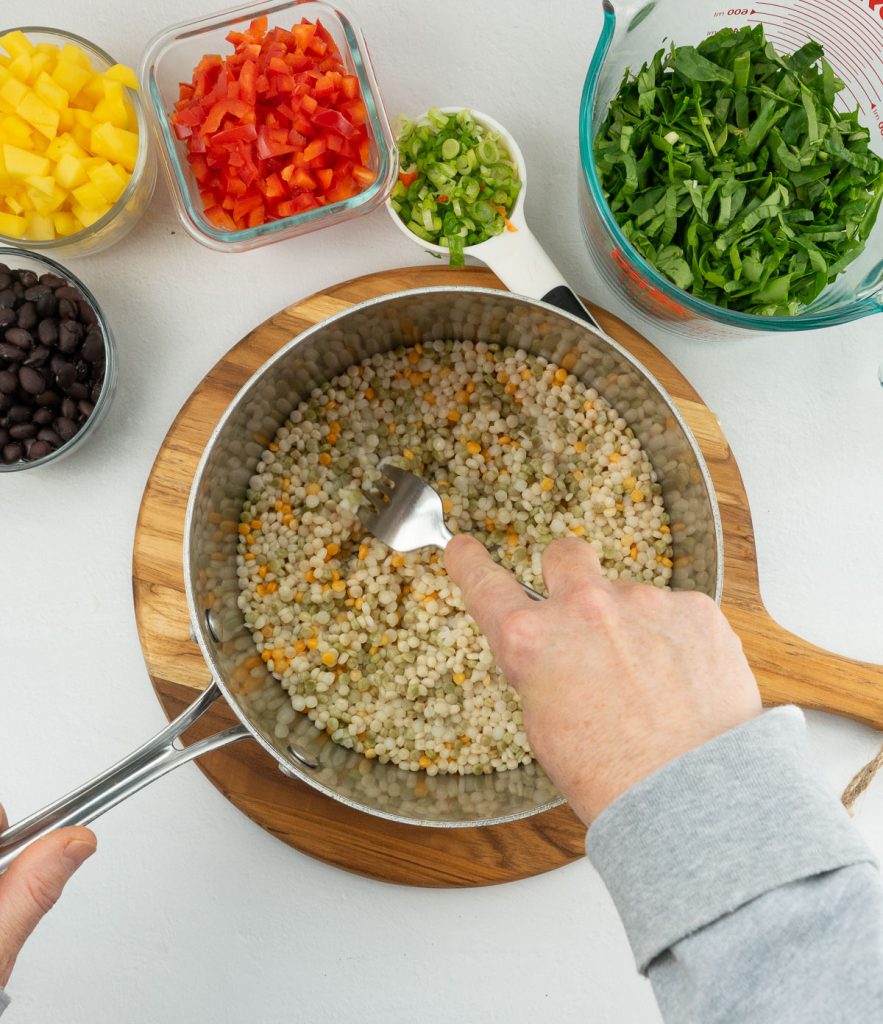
(170, 59)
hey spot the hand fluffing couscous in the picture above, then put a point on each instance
(376, 647)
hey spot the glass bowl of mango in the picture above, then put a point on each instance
(76, 166)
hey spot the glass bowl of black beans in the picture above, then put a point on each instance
(57, 361)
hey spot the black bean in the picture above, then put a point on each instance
(47, 331)
(12, 452)
(87, 313)
(65, 376)
(31, 380)
(38, 356)
(53, 280)
(27, 278)
(19, 336)
(67, 309)
(4, 436)
(68, 408)
(69, 334)
(8, 297)
(67, 291)
(65, 428)
(96, 391)
(5, 404)
(85, 407)
(27, 315)
(8, 382)
(48, 397)
(43, 417)
(7, 316)
(82, 368)
(47, 305)
(93, 347)
(38, 450)
(12, 353)
(35, 291)
(5, 279)
(19, 414)
(48, 434)
(22, 431)
(78, 390)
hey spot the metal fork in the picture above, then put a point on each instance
(406, 513)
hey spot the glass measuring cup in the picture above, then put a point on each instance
(851, 32)
(515, 256)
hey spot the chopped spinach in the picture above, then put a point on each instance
(728, 169)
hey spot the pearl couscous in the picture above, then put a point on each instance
(376, 647)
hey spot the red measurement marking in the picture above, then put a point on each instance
(870, 58)
(850, 44)
(875, 3)
(793, 37)
(652, 291)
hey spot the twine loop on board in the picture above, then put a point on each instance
(861, 780)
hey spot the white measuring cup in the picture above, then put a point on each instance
(515, 256)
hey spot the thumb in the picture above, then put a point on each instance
(33, 883)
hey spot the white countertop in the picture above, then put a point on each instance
(189, 911)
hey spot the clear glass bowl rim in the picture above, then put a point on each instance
(61, 244)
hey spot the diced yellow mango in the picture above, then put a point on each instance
(40, 227)
(16, 43)
(89, 215)
(66, 119)
(44, 183)
(113, 90)
(83, 136)
(20, 163)
(71, 77)
(49, 48)
(64, 143)
(92, 92)
(4, 61)
(20, 67)
(117, 144)
(75, 55)
(39, 114)
(123, 74)
(113, 111)
(14, 205)
(69, 171)
(85, 118)
(12, 226)
(51, 92)
(16, 131)
(89, 196)
(13, 91)
(40, 63)
(108, 182)
(65, 223)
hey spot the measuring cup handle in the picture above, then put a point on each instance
(148, 763)
(524, 266)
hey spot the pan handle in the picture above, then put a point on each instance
(148, 763)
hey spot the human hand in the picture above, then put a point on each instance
(616, 679)
(33, 883)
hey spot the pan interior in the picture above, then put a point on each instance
(252, 421)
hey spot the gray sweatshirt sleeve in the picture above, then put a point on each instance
(746, 892)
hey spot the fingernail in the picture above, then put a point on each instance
(76, 851)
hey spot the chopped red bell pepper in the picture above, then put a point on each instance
(274, 129)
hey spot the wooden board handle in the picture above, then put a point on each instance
(790, 670)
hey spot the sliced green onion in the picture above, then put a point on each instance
(459, 182)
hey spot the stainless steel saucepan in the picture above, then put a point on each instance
(217, 496)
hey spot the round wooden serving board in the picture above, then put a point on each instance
(788, 669)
